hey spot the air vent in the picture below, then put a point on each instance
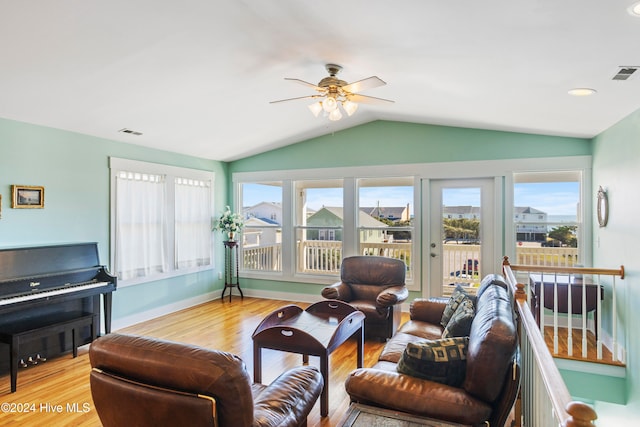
(131, 132)
(624, 73)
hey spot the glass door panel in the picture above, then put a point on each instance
(461, 217)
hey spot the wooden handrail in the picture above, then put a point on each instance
(568, 270)
(570, 413)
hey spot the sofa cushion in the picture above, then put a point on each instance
(460, 323)
(442, 360)
(420, 329)
(457, 296)
(492, 344)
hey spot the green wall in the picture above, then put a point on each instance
(616, 158)
(383, 142)
(74, 169)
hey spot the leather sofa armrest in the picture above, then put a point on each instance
(427, 310)
(414, 395)
(287, 401)
(340, 291)
(392, 295)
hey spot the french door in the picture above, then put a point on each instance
(460, 237)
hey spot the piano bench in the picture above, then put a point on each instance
(40, 327)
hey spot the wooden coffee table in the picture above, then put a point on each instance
(316, 331)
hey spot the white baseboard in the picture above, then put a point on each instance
(161, 311)
(181, 305)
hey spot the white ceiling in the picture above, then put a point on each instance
(196, 76)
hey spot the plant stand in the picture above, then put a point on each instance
(231, 277)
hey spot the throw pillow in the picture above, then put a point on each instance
(460, 323)
(457, 296)
(443, 360)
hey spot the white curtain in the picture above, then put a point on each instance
(141, 241)
(193, 213)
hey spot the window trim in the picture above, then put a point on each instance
(350, 229)
(501, 170)
(117, 164)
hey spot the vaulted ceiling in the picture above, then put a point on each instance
(197, 76)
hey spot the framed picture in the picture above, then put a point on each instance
(27, 197)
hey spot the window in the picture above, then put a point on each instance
(161, 220)
(547, 218)
(262, 234)
(385, 218)
(192, 222)
(319, 217)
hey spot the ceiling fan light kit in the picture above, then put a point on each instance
(337, 95)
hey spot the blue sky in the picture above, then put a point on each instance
(553, 198)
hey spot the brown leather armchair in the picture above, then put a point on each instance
(145, 381)
(374, 285)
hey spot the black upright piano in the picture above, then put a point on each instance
(46, 292)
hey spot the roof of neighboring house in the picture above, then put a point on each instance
(461, 210)
(260, 221)
(527, 210)
(363, 219)
(274, 204)
(475, 210)
(384, 211)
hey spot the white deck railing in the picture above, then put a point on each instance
(461, 263)
(321, 256)
(561, 257)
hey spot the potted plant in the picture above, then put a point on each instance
(230, 223)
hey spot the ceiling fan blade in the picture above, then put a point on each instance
(293, 99)
(364, 99)
(360, 85)
(302, 82)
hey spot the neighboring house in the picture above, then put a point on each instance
(260, 232)
(524, 217)
(392, 213)
(528, 231)
(271, 211)
(333, 217)
(461, 212)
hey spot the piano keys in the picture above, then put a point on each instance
(53, 283)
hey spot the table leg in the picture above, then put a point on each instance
(324, 396)
(257, 363)
(305, 359)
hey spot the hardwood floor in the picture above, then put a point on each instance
(563, 347)
(57, 393)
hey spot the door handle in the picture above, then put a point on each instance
(433, 255)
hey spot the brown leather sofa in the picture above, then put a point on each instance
(374, 285)
(492, 378)
(141, 381)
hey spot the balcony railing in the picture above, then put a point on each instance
(322, 257)
(544, 398)
(462, 263)
(560, 257)
(575, 304)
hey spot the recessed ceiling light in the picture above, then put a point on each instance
(634, 9)
(582, 91)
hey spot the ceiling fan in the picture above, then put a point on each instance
(336, 94)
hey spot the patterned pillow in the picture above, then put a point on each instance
(460, 323)
(443, 361)
(457, 296)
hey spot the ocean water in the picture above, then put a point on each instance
(562, 218)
